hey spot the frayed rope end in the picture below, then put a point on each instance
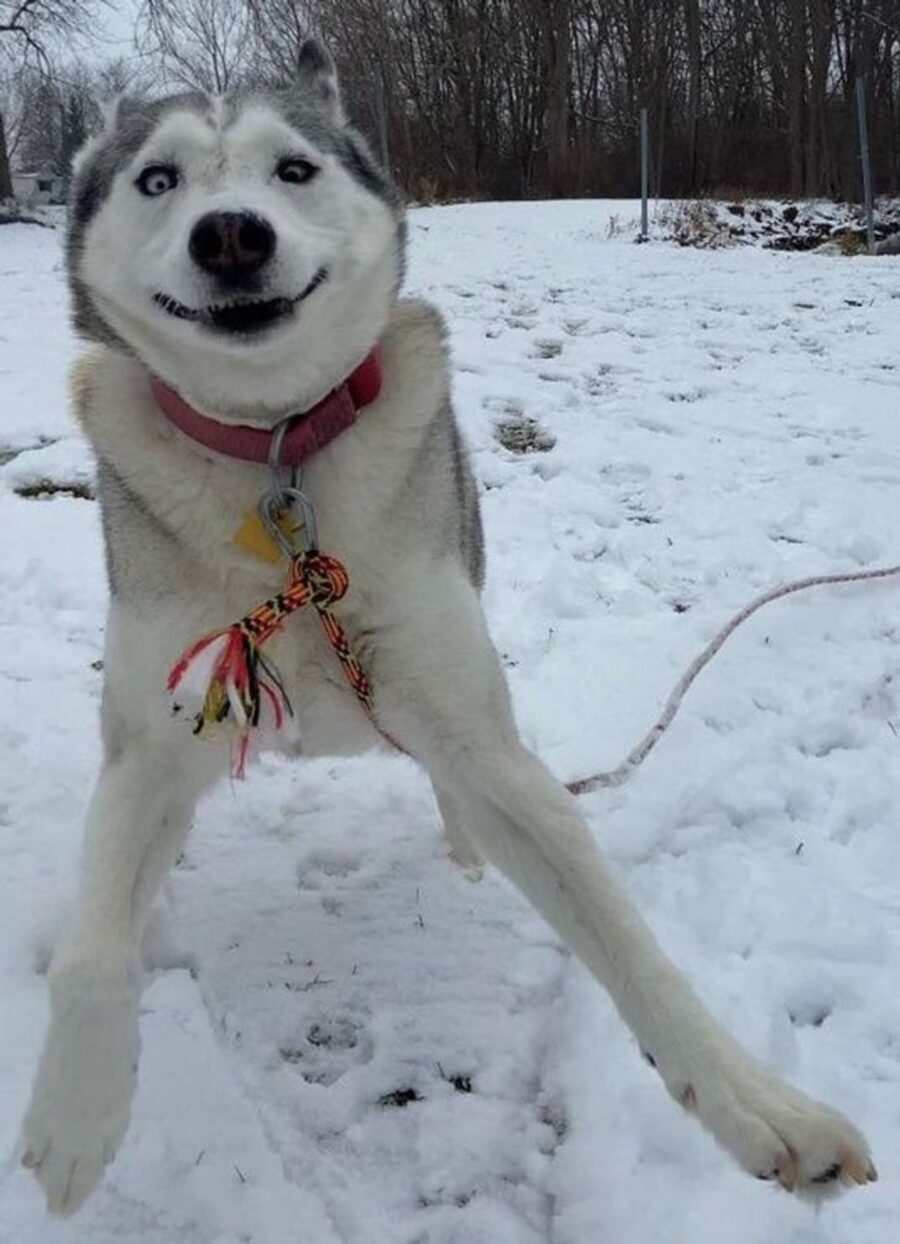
(226, 677)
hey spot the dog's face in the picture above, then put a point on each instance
(245, 247)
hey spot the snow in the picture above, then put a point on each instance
(347, 1042)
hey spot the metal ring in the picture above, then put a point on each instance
(270, 507)
(273, 504)
(277, 442)
(308, 511)
(277, 471)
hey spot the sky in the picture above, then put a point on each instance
(116, 30)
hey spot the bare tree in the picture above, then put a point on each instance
(29, 30)
(35, 24)
(693, 31)
(554, 18)
(121, 76)
(530, 97)
(200, 44)
(279, 28)
(6, 186)
(13, 90)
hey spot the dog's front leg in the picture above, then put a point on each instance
(137, 821)
(446, 700)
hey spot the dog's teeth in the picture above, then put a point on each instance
(174, 307)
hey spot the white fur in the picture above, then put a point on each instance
(440, 689)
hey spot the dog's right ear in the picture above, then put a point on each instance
(112, 114)
(108, 111)
(317, 75)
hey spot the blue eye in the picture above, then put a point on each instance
(295, 170)
(157, 179)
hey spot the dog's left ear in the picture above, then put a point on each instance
(316, 73)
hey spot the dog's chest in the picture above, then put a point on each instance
(183, 526)
(230, 568)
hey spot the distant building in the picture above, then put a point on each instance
(35, 189)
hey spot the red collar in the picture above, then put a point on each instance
(308, 432)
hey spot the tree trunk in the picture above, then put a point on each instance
(797, 92)
(6, 189)
(556, 32)
(692, 21)
(817, 167)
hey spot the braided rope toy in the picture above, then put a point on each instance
(236, 685)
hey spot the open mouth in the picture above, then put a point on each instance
(241, 315)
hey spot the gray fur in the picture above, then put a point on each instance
(140, 552)
(316, 74)
(439, 496)
(471, 530)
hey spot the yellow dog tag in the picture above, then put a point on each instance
(252, 537)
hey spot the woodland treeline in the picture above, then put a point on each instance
(509, 98)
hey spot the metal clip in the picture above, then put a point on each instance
(277, 472)
(283, 494)
(272, 507)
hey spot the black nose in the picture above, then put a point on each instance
(232, 245)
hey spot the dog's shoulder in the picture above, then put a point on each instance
(416, 360)
(83, 378)
(422, 329)
(439, 494)
(100, 380)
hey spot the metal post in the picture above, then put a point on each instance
(645, 174)
(866, 162)
(381, 118)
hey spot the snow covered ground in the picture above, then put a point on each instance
(345, 1042)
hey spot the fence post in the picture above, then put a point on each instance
(866, 161)
(645, 174)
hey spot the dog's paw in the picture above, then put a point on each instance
(778, 1134)
(469, 864)
(69, 1165)
(82, 1096)
(462, 852)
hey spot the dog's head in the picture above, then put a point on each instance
(246, 247)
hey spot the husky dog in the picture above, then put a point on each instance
(244, 253)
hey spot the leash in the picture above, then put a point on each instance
(636, 757)
(235, 684)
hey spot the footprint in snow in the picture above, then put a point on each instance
(330, 1047)
(546, 348)
(322, 869)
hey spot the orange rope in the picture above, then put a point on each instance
(241, 683)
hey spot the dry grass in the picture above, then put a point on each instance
(695, 224)
(850, 243)
(43, 489)
(523, 435)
